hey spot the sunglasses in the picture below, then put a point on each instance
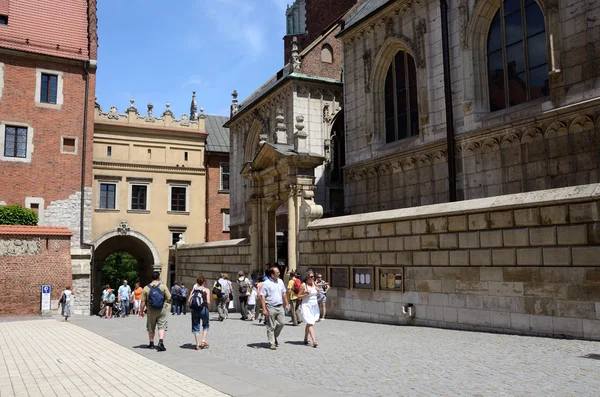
(311, 276)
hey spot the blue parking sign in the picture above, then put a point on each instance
(46, 292)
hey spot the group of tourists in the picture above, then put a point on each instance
(303, 299)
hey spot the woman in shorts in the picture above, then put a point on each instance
(110, 302)
(137, 298)
(322, 288)
(200, 313)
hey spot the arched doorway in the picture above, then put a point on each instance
(122, 239)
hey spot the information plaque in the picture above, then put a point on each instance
(46, 292)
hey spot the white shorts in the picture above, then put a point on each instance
(136, 305)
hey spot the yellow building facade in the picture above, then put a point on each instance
(149, 186)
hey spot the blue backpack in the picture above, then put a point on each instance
(156, 298)
(197, 300)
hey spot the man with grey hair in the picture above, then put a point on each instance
(223, 284)
(123, 298)
(273, 302)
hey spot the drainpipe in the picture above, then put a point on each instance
(84, 153)
(448, 103)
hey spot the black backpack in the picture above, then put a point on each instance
(197, 300)
(243, 287)
(217, 290)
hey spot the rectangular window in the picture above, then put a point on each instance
(139, 197)
(178, 199)
(15, 141)
(3, 19)
(224, 176)
(225, 219)
(49, 88)
(175, 237)
(108, 195)
(69, 145)
(185, 156)
(108, 151)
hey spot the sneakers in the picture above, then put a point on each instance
(151, 345)
(276, 343)
(160, 347)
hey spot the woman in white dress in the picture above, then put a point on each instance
(309, 308)
(65, 300)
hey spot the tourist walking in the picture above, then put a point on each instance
(176, 296)
(156, 298)
(183, 301)
(274, 301)
(293, 288)
(110, 303)
(123, 298)
(252, 303)
(224, 287)
(199, 302)
(310, 307)
(137, 298)
(322, 288)
(259, 316)
(244, 288)
(65, 301)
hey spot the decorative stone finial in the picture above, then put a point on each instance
(202, 115)
(300, 135)
(280, 135)
(150, 107)
(131, 107)
(168, 111)
(234, 103)
(193, 107)
(296, 61)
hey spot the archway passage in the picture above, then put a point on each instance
(135, 246)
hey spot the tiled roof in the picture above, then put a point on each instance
(218, 136)
(57, 27)
(362, 11)
(17, 230)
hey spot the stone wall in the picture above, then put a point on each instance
(211, 259)
(32, 256)
(67, 213)
(524, 263)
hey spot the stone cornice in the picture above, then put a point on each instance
(110, 165)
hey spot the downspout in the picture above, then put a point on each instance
(448, 102)
(206, 196)
(84, 154)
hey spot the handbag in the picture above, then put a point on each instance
(62, 299)
(230, 306)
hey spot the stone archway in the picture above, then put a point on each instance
(123, 239)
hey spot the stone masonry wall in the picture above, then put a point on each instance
(524, 263)
(67, 213)
(29, 261)
(211, 259)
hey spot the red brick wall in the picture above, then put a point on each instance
(50, 175)
(215, 201)
(23, 275)
(320, 14)
(312, 64)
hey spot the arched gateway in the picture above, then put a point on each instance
(123, 239)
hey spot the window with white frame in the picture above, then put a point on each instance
(49, 88)
(16, 141)
(177, 233)
(108, 196)
(225, 213)
(139, 199)
(179, 197)
(224, 176)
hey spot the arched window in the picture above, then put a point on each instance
(326, 54)
(517, 54)
(401, 112)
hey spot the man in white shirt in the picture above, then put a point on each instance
(123, 297)
(274, 300)
(224, 298)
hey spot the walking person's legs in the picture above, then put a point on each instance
(298, 313)
(293, 305)
(280, 322)
(205, 326)
(323, 304)
(196, 327)
(271, 316)
(125, 303)
(243, 307)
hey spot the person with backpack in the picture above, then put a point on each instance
(199, 303)
(244, 288)
(293, 289)
(176, 296)
(221, 290)
(157, 298)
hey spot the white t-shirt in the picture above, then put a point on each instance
(273, 292)
(225, 284)
(67, 293)
(252, 298)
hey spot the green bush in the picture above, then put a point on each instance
(17, 215)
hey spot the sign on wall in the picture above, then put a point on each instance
(46, 292)
(391, 279)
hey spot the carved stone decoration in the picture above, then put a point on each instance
(113, 113)
(201, 115)
(185, 121)
(463, 23)
(300, 135)
(131, 107)
(234, 108)
(123, 229)
(150, 107)
(389, 27)
(280, 134)
(193, 107)
(552, 6)
(367, 71)
(420, 30)
(167, 111)
(295, 61)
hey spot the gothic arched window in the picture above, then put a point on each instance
(326, 53)
(517, 54)
(400, 98)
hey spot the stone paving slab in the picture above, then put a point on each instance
(364, 359)
(52, 358)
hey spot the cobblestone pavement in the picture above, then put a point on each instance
(361, 359)
(51, 358)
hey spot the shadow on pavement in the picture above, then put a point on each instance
(190, 346)
(295, 342)
(261, 345)
(140, 347)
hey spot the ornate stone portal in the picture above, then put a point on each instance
(279, 176)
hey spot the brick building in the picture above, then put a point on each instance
(48, 53)
(217, 183)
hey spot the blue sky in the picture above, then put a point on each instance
(160, 51)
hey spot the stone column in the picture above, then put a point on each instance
(292, 229)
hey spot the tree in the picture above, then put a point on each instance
(114, 273)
